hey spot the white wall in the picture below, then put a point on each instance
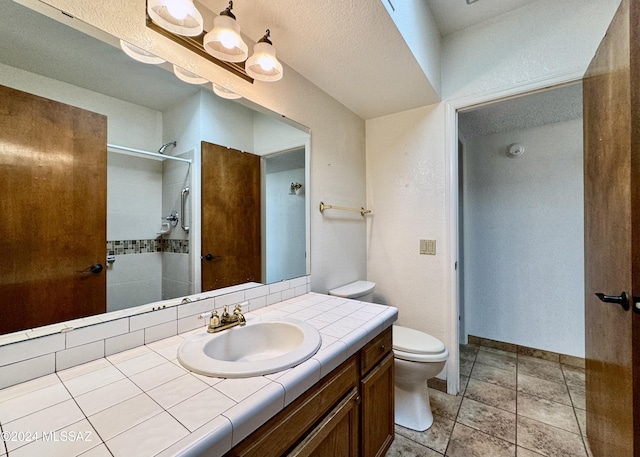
(523, 237)
(338, 251)
(542, 39)
(407, 152)
(405, 188)
(420, 31)
(285, 226)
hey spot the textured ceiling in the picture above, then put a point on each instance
(350, 49)
(65, 54)
(455, 15)
(547, 107)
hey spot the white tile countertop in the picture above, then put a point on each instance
(142, 402)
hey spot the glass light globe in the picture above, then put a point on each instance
(224, 41)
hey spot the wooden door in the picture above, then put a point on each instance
(612, 236)
(53, 194)
(231, 236)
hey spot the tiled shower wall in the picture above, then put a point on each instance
(25, 360)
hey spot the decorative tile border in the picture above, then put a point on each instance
(123, 247)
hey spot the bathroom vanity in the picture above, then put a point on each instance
(348, 413)
(142, 402)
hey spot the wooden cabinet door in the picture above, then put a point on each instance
(53, 206)
(377, 409)
(336, 435)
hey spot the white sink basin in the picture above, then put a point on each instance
(260, 347)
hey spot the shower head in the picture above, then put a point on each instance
(166, 145)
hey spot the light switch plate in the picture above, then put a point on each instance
(428, 247)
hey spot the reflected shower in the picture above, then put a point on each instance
(166, 145)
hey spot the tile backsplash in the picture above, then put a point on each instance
(111, 333)
(122, 247)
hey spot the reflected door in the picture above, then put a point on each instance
(53, 194)
(231, 231)
(612, 237)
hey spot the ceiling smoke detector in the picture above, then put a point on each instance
(515, 150)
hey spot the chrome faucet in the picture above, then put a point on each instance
(218, 323)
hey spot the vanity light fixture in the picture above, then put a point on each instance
(187, 76)
(177, 16)
(223, 92)
(224, 41)
(263, 64)
(140, 54)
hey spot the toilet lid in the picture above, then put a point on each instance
(353, 290)
(416, 342)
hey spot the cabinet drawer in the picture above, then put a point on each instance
(288, 427)
(375, 350)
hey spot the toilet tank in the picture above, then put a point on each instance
(359, 290)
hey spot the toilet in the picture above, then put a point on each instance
(418, 357)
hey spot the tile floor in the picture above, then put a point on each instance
(510, 404)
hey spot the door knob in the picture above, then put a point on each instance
(96, 268)
(211, 257)
(622, 299)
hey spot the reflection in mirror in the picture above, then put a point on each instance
(152, 217)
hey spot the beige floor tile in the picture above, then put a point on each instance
(524, 452)
(491, 394)
(404, 447)
(466, 366)
(574, 376)
(436, 437)
(498, 359)
(581, 415)
(468, 351)
(443, 404)
(542, 388)
(539, 368)
(578, 397)
(464, 382)
(469, 442)
(547, 440)
(548, 412)
(488, 419)
(493, 375)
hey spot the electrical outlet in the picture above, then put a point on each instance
(428, 247)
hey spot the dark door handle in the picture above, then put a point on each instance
(96, 268)
(211, 258)
(622, 299)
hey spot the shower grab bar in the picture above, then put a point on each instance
(185, 192)
(116, 148)
(362, 211)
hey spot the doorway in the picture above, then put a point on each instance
(520, 221)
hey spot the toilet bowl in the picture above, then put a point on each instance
(418, 357)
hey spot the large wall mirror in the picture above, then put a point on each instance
(149, 208)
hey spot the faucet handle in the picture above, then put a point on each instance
(238, 308)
